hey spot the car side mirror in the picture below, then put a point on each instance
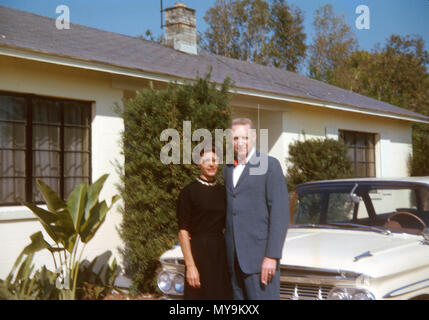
(353, 196)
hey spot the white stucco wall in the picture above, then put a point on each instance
(287, 122)
(18, 223)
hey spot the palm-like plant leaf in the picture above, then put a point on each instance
(95, 219)
(46, 218)
(38, 243)
(65, 222)
(76, 204)
(93, 193)
(53, 201)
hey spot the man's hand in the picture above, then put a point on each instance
(193, 277)
(268, 270)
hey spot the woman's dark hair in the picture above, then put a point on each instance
(210, 147)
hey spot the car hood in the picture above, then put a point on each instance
(365, 252)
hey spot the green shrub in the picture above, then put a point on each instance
(150, 188)
(419, 161)
(24, 284)
(95, 280)
(317, 159)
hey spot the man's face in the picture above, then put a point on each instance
(244, 139)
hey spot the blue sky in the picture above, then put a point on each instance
(134, 17)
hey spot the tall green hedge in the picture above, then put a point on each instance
(150, 188)
(317, 159)
(418, 164)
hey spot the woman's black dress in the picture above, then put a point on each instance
(201, 210)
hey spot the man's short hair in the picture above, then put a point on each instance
(243, 122)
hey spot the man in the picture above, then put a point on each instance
(257, 217)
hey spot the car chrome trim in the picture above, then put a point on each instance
(364, 182)
(425, 234)
(351, 291)
(362, 227)
(306, 272)
(408, 288)
(172, 262)
(362, 256)
(304, 291)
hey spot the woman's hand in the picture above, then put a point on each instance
(193, 277)
(192, 274)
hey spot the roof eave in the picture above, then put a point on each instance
(68, 61)
(328, 104)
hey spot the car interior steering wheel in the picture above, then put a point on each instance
(408, 214)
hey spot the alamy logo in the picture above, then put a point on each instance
(178, 149)
(363, 20)
(63, 21)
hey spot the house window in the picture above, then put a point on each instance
(42, 138)
(361, 149)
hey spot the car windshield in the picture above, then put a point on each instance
(398, 208)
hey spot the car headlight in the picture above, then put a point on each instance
(339, 293)
(179, 283)
(171, 282)
(164, 282)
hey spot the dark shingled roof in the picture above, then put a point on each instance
(23, 30)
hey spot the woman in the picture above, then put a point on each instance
(201, 215)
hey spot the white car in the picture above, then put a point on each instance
(351, 239)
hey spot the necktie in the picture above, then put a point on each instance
(236, 162)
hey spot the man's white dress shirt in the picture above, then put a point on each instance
(238, 170)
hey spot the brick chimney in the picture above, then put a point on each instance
(180, 28)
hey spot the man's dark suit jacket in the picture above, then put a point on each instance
(257, 215)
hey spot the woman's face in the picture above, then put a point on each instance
(209, 164)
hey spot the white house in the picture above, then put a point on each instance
(57, 89)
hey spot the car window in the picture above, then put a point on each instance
(331, 205)
(309, 209)
(424, 194)
(390, 200)
(340, 207)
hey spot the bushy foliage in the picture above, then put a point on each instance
(395, 73)
(332, 44)
(419, 161)
(95, 280)
(317, 159)
(24, 284)
(150, 188)
(265, 32)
